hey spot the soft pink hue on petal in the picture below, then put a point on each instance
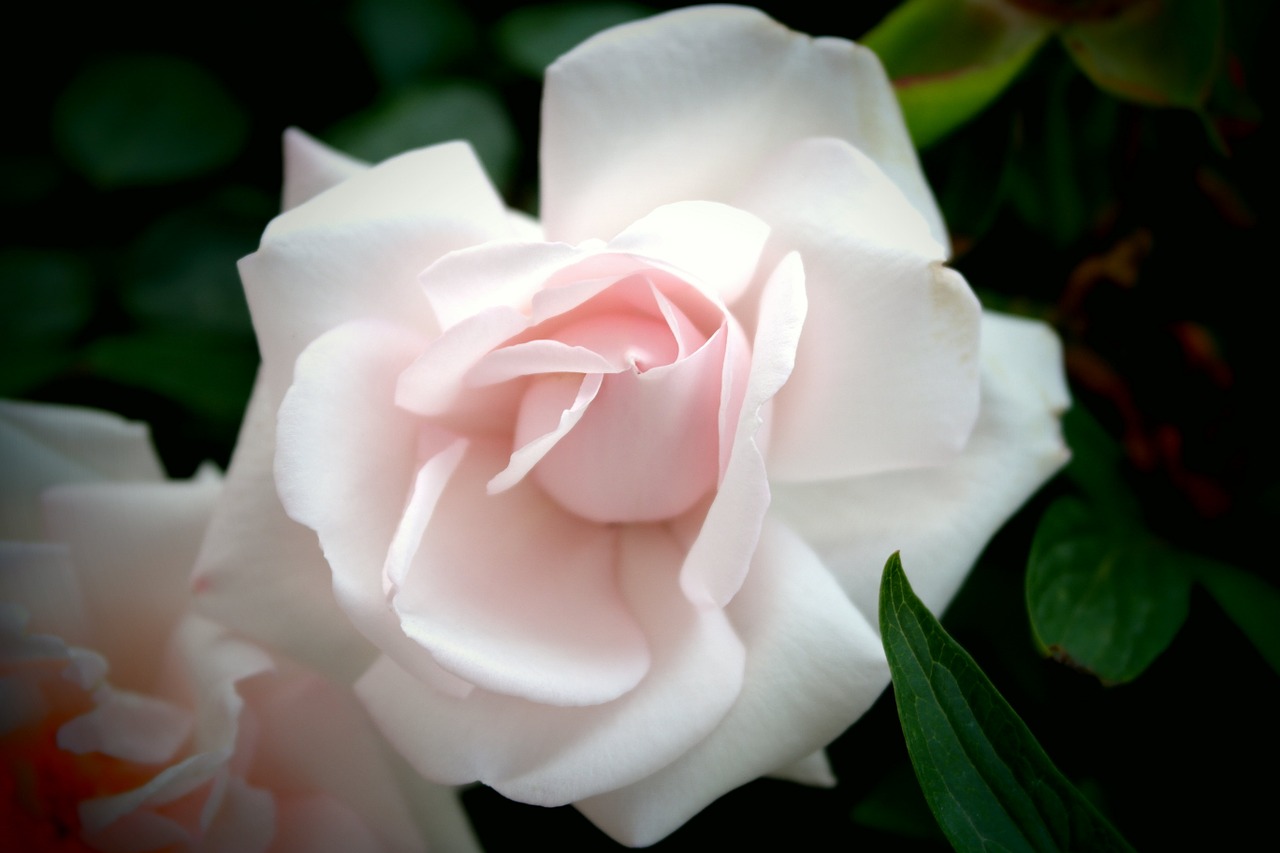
(547, 413)
(314, 737)
(516, 596)
(538, 356)
(814, 665)
(429, 484)
(263, 573)
(647, 448)
(435, 379)
(468, 281)
(551, 756)
(941, 518)
(311, 167)
(202, 672)
(131, 726)
(814, 769)
(100, 524)
(715, 243)
(719, 558)
(687, 105)
(39, 577)
(355, 252)
(321, 824)
(886, 374)
(42, 445)
(366, 456)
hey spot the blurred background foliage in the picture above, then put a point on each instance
(1103, 165)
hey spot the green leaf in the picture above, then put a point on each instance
(1158, 52)
(1096, 467)
(45, 297)
(209, 374)
(949, 59)
(533, 37)
(146, 120)
(403, 39)
(988, 782)
(182, 270)
(1252, 603)
(1062, 177)
(425, 115)
(1105, 599)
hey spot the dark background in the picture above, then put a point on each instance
(1148, 246)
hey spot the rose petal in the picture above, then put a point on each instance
(941, 518)
(114, 565)
(647, 448)
(719, 558)
(263, 573)
(688, 104)
(713, 243)
(554, 755)
(814, 769)
(130, 726)
(516, 596)
(469, 281)
(203, 670)
(544, 411)
(38, 577)
(886, 375)
(366, 455)
(311, 167)
(41, 445)
(315, 738)
(355, 252)
(814, 665)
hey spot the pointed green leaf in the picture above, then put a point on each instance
(989, 784)
(147, 119)
(1252, 603)
(1158, 52)
(949, 59)
(1102, 598)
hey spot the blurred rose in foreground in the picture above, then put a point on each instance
(129, 724)
(602, 502)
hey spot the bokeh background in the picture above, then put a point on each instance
(141, 159)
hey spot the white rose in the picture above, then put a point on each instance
(606, 499)
(128, 723)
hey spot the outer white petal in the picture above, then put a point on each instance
(355, 251)
(814, 665)
(941, 518)
(346, 458)
(553, 755)
(311, 167)
(132, 546)
(263, 573)
(715, 243)
(886, 374)
(39, 578)
(41, 445)
(687, 105)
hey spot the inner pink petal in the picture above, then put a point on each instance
(647, 448)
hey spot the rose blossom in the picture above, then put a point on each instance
(602, 502)
(130, 724)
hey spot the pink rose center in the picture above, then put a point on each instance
(651, 430)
